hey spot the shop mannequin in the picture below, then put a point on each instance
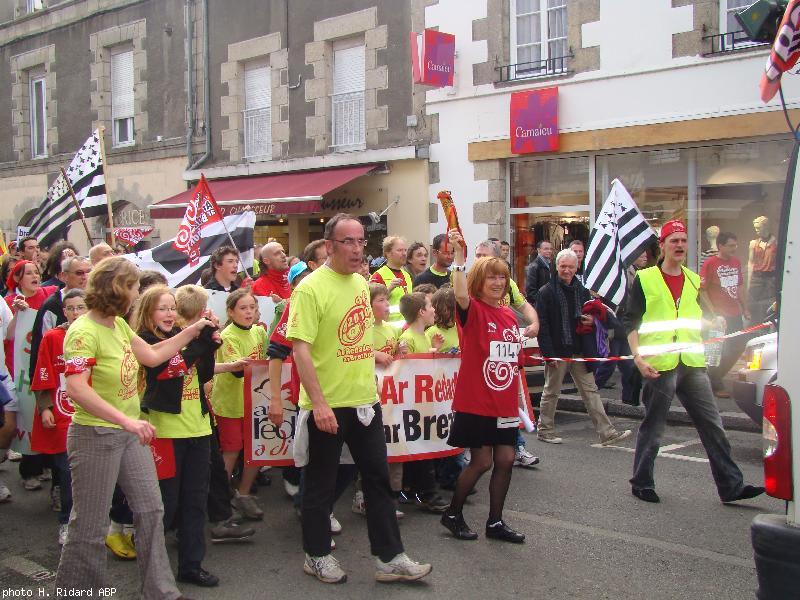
(761, 263)
(711, 237)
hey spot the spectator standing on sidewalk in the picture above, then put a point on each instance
(330, 325)
(559, 305)
(722, 282)
(538, 272)
(663, 322)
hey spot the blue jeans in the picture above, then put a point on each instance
(693, 389)
(63, 478)
(618, 346)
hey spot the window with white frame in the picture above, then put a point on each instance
(348, 115)
(122, 105)
(257, 111)
(538, 37)
(730, 26)
(38, 97)
(34, 5)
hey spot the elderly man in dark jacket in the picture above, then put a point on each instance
(538, 273)
(559, 305)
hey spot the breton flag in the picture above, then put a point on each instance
(785, 51)
(620, 234)
(201, 211)
(175, 266)
(58, 211)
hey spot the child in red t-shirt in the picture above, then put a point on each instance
(54, 409)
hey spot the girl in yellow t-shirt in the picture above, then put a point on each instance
(444, 328)
(176, 405)
(241, 340)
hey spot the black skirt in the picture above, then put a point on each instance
(476, 431)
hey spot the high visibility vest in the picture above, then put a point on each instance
(395, 318)
(670, 333)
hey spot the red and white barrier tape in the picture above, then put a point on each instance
(728, 336)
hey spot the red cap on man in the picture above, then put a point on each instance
(670, 227)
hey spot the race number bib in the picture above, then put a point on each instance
(507, 352)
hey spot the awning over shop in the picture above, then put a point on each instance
(278, 194)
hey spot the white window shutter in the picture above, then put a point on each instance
(122, 85)
(348, 70)
(257, 86)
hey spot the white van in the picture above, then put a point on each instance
(776, 538)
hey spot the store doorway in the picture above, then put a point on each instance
(558, 228)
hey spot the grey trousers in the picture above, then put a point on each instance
(98, 458)
(584, 380)
(693, 389)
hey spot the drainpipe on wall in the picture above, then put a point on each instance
(206, 92)
(189, 80)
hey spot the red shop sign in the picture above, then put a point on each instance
(534, 121)
(433, 57)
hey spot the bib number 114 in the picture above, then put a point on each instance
(504, 351)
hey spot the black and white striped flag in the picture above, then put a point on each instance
(58, 211)
(620, 234)
(175, 265)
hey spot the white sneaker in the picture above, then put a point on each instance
(336, 527)
(5, 493)
(291, 489)
(62, 534)
(325, 568)
(616, 437)
(14, 456)
(32, 484)
(47, 475)
(358, 506)
(400, 568)
(523, 458)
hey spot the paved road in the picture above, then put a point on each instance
(588, 538)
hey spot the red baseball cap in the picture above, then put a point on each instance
(670, 227)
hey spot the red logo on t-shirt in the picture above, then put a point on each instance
(354, 323)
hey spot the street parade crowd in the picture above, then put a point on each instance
(150, 370)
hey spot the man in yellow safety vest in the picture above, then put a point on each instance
(394, 277)
(664, 321)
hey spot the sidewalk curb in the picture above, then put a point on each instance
(736, 421)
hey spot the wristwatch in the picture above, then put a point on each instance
(460, 268)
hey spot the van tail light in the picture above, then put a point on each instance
(777, 443)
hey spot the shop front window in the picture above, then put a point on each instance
(549, 202)
(728, 188)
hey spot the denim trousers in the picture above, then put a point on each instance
(693, 389)
(618, 346)
(367, 444)
(63, 478)
(185, 497)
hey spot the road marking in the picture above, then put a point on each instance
(672, 447)
(711, 555)
(28, 568)
(661, 452)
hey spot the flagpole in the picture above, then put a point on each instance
(230, 237)
(102, 131)
(77, 205)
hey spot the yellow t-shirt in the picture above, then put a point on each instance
(417, 343)
(514, 297)
(332, 313)
(114, 371)
(450, 337)
(190, 422)
(385, 337)
(227, 398)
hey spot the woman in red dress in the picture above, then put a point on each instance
(486, 403)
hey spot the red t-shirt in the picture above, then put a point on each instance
(674, 283)
(272, 282)
(35, 303)
(279, 337)
(722, 280)
(488, 380)
(49, 375)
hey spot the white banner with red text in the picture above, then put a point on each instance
(416, 395)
